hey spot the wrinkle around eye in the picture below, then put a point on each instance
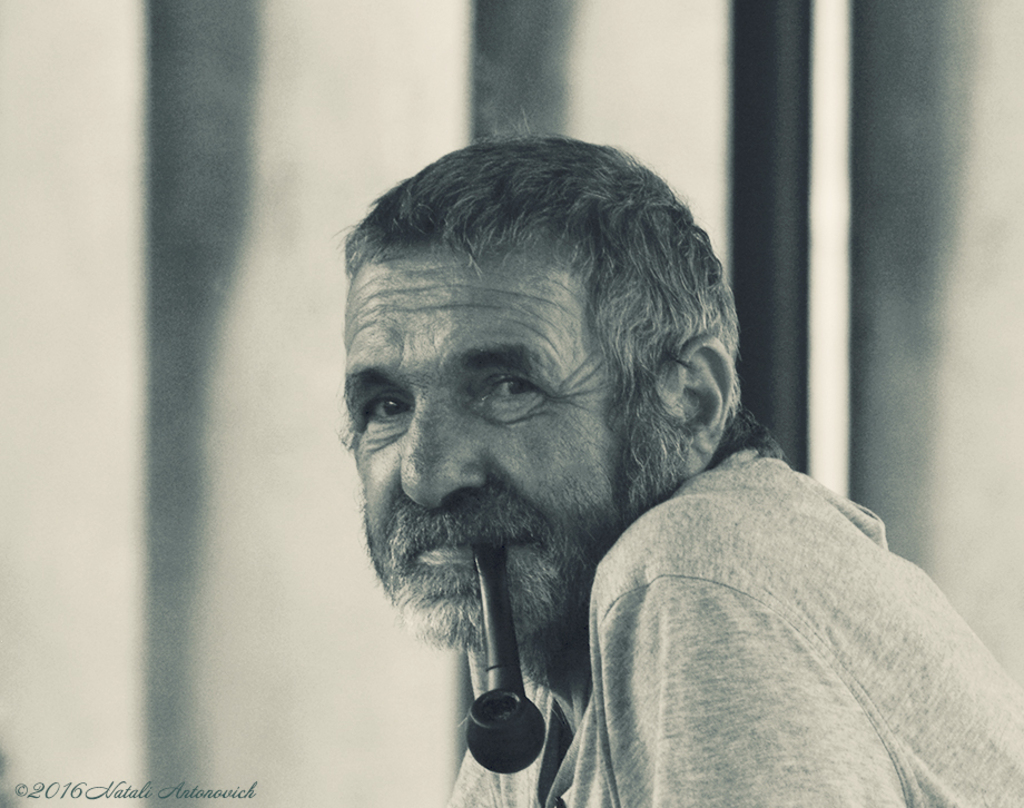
(589, 378)
(381, 420)
(511, 399)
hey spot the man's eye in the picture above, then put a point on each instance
(383, 409)
(512, 387)
(510, 399)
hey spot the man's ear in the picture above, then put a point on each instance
(697, 387)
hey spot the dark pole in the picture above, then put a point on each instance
(202, 68)
(912, 72)
(770, 189)
(519, 79)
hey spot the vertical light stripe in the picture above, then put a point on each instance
(72, 364)
(829, 375)
(653, 78)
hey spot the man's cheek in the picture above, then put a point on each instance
(378, 543)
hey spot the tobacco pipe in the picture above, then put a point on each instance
(505, 730)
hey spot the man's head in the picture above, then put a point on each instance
(541, 347)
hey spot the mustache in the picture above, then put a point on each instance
(494, 514)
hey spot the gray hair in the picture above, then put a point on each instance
(652, 280)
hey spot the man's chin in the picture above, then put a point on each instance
(451, 623)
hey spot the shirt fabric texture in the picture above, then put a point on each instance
(754, 643)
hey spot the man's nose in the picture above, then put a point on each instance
(443, 453)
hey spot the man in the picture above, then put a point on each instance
(541, 355)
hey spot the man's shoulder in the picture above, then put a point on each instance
(747, 524)
(757, 544)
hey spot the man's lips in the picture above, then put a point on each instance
(460, 554)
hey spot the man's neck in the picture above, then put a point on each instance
(573, 697)
(569, 681)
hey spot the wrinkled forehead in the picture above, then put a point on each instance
(534, 288)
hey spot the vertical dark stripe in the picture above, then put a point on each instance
(519, 76)
(202, 66)
(910, 59)
(769, 215)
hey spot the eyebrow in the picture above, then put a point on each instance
(357, 384)
(515, 357)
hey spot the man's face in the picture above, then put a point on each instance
(479, 405)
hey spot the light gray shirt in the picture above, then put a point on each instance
(754, 643)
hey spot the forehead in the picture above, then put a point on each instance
(439, 304)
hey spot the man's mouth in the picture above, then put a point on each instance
(442, 556)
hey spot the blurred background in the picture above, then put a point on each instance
(184, 593)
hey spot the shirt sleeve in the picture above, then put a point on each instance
(709, 698)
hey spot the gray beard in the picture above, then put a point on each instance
(550, 569)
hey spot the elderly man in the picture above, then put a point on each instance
(541, 357)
